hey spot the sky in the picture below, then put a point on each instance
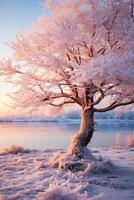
(16, 16)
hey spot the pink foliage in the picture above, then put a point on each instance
(82, 46)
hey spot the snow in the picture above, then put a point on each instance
(28, 174)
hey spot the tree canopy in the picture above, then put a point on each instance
(81, 53)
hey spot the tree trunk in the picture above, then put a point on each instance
(83, 137)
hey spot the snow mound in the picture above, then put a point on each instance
(55, 192)
(15, 149)
(103, 166)
(100, 167)
(89, 164)
(73, 162)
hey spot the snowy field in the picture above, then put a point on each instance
(28, 175)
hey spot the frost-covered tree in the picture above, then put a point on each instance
(82, 53)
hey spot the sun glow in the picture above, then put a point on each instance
(5, 101)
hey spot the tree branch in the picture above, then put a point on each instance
(99, 98)
(61, 104)
(113, 106)
(58, 96)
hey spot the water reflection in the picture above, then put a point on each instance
(57, 134)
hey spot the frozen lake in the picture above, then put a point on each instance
(41, 135)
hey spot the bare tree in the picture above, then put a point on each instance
(82, 53)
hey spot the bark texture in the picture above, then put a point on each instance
(83, 137)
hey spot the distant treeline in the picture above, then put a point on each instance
(111, 115)
(106, 115)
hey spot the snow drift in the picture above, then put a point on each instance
(55, 192)
(29, 175)
(15, 149)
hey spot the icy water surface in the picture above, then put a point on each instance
(41, 135)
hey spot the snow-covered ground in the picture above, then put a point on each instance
(27, 175)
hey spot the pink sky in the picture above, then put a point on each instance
(14, 21)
